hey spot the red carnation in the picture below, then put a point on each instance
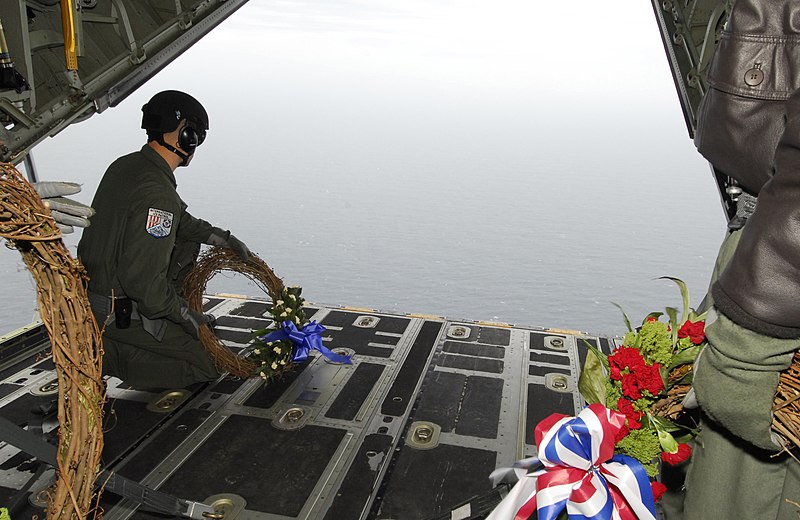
(634, 417)
(651, 319)
(626, 357)
(658, 490)
(683, 453)
(695, 331)
(616, 374)
(649, 378)
(630, 387)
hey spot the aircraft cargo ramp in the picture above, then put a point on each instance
(412, 429)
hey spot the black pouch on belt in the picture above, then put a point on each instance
(123, 308)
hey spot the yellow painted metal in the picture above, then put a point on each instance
(567, 331)
(425, 316)
(495, 324)
(359, 309)
(70, 37)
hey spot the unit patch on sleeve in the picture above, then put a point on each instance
(159, 222)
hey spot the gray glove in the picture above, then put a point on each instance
(193, 320)
(66, 212)
(224, 238)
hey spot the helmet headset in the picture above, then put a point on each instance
(164, 113)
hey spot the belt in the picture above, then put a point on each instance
(104, 306)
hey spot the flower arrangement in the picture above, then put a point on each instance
(604, 462)
(272, 356)
(290, 339)
(646, 379)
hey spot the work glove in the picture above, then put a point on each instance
(66, 212)
(193, 320)
(224, 238)
(736, 381)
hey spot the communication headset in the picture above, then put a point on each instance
(165, 111)
(189, 138)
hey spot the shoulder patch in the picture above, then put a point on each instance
(159, 222)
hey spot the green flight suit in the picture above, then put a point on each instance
(139, 246)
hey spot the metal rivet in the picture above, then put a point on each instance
(423, 434)
(49, 388)
(366, 322)
(558, 383)
(294, 414)
(168, 401)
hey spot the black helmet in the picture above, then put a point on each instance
(166, 109)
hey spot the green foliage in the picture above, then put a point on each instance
(274, 357)
(655, 342)
(644, 446)
(613, 393)
(659, 346)
(594, 373)
(624, 316)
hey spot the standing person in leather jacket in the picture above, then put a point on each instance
(750, 131)
(141, 244)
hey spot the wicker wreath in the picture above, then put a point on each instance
(785, 406)
(75, 341)
(210, 263)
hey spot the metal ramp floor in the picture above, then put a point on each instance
(412, 429)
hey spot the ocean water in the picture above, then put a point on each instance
(516, 198)
(544, 229)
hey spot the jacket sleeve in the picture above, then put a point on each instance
(194, 229)
(758, 289)
(146, 251)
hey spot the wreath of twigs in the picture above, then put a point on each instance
(74, 336)
(786, 407)
(210, 263)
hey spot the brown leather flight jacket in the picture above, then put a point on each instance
(760, 288)
(755, 69)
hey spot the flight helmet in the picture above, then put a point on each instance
(164, 112)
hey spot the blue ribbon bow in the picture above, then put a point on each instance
(304, 340)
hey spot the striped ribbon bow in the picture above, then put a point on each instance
(581, 472)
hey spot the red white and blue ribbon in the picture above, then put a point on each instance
(581, 473)
(304, 341)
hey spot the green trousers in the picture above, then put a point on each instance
(136, 357)
(176, 360)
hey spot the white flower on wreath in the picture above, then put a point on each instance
(283, 361)
(277, 350)
(274, 366)
(263, 375)
(257, 352)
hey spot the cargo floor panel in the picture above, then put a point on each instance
(329, 441)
